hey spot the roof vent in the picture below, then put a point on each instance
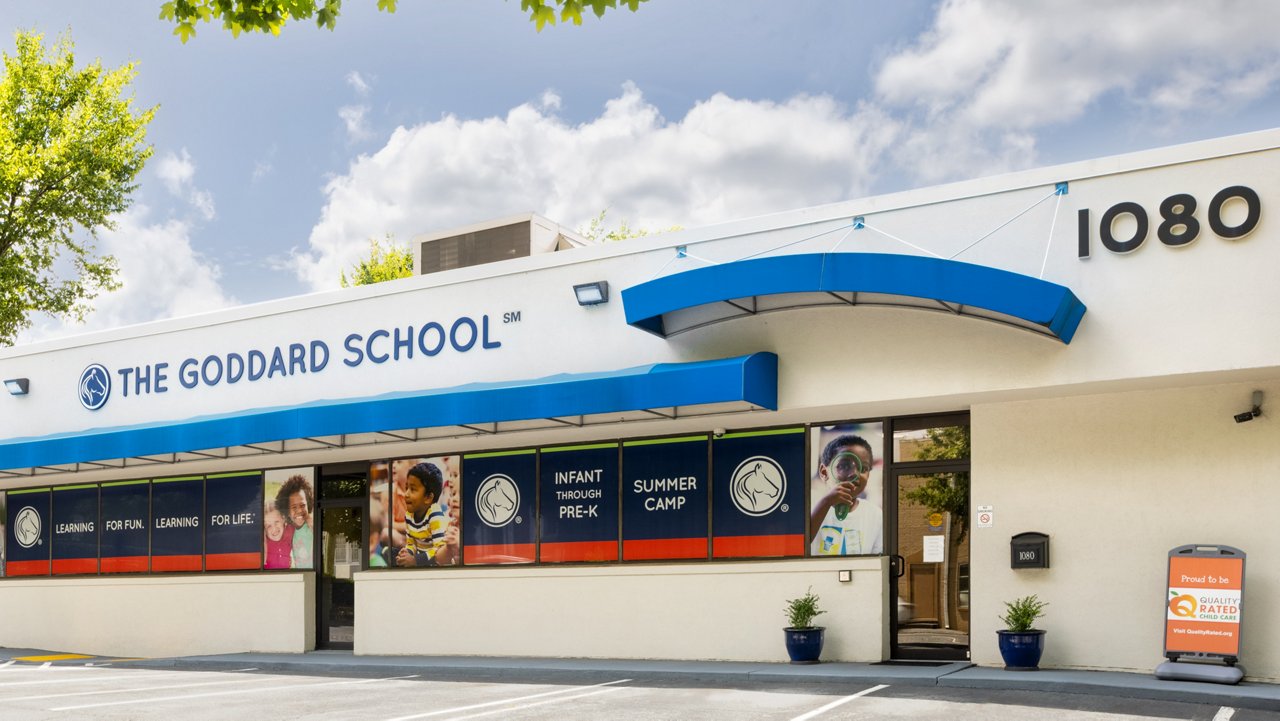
(515, 237)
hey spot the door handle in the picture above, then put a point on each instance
(897, 564)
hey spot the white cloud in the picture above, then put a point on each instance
(725, 159)
(989, 73)
(178, 173)
(353, 117)
(358, 83)
(162, 276)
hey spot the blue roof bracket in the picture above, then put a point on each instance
(691, 299)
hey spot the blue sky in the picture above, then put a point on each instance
(277, 158)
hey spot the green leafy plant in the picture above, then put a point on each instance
(1021, 614)
(801, 611)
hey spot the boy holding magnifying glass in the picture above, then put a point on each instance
(841, 523)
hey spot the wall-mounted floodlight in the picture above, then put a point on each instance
(592, 293)
(17, 386)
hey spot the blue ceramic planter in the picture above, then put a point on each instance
(804, 645)
(1021, 650)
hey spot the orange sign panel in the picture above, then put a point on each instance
(1203, 605)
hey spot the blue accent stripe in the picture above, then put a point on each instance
(750, 378)
(1048, 305)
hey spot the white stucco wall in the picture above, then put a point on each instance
(1117, 481)
(157, 616)
(726, 611)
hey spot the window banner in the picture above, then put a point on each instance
(75, 529)
(578, 487)
(846, 492)
(497, 519)
(233, 520)
(1203, 605)
(426, 508)
(4, 523)
(126, 526)
(379, 513)
(288, 517)
(757, 497)
(664, 498)
(177, 538)
(27, 533)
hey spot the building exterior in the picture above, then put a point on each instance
(472, 462)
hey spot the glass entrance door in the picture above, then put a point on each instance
(343, 539)
(932, 567)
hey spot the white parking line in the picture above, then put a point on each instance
(1224, 714)
(510, 709)
(572, 689)
(838, 702)
(6, 664)
(8, 684)
(229, 693)
(139, 689)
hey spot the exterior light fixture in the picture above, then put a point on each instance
(592, 293)
(17, 386)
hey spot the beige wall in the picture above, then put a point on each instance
(157, 616)
(1117, 481)
(727, 611)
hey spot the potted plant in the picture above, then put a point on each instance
(804, 640)
(1020, 644)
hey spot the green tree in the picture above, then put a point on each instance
(270, 16)
(597, 230)
(384, 263)
(71, 145)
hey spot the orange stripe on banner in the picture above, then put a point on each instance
(754, 546)
(1203, 637)
(580, 551)
(161, 564)
(664, 548)
(125, 564)
(233, 561)
(26, 568)
(505, 553)
(66, 566)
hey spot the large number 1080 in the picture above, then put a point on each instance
(1178, 223)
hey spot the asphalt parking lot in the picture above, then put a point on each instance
(71, 688)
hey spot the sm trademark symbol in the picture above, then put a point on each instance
(511, 317)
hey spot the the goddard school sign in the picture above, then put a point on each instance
(251, 365)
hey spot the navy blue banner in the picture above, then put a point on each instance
(757, 506)
(126, 526)
(75, 529)
(579, 503)
(664, 498)
(497, 511)
(27, 533)
(233, 522)
(177, 536)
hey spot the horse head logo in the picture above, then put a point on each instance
(26, 527)
(95, 387)
(497, 500)
(758, 485)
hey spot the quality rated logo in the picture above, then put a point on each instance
(95, 387)
(26, 527)
(1183, 606)
(758, 486)
(497, 500)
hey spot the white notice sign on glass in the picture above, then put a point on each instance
(934, 549)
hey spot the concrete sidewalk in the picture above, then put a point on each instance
(1263, 696)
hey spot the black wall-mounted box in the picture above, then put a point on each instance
(1029, 550)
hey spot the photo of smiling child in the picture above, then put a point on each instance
(427, 512)
(287, 518)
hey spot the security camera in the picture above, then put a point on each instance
(1253, 412)
(718, 433)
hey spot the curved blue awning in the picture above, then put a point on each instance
(743, 383)
(684, 301)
